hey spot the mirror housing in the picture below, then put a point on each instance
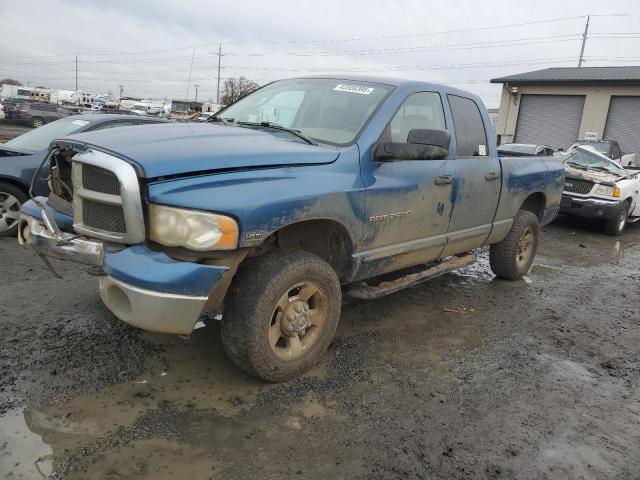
(628, 159)
(422, 144)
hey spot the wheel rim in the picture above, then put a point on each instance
(525, 248)
(37, 123)
(9, 211)
(297, 320)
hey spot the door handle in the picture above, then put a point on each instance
(443, 180)
(491, 176)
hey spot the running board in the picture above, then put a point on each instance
(366, 292)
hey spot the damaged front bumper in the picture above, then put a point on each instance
(590, 207)
(142, 287)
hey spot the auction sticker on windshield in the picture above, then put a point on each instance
(353, 89)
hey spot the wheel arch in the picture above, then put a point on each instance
(535, 203)
(16, 183)
(327, 238)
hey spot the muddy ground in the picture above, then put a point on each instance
(466, 376)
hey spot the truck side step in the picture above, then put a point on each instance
(365, 291)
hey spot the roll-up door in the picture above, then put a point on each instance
(552, 120)
(623, 123)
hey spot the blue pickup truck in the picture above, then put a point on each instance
(302, 191)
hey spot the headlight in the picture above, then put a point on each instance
(608, 191)
(192, 229)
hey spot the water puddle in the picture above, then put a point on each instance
(23, 453)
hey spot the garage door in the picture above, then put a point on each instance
(552, 120)
(623, 123)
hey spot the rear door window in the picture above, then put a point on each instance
(471, 138)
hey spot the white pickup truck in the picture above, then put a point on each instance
(598, 187)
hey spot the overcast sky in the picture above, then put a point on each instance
(147, 45)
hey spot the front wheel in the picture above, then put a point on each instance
(617, 224)
(11, 198)
(281, 313)
(37, 122)
(512, 257)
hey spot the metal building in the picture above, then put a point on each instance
(558, 106)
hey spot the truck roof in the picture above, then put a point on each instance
(409, 84)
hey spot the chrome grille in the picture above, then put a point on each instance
(103, 217)
(100, 180)
(574, 185)
(106, 198)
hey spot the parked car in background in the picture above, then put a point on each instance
(205, 116)
(599, 188)
(302, 187)
(32, 113)
(2, 115)
(139, 109)
(524, 149)
(20, 157)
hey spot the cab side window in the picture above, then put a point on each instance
(471, 138)
(420, 110)
(615, 151)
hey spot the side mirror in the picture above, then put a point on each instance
(422, 144)
(628, 159)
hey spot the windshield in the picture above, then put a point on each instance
(332, 111)
(39, 138)
(602, 147)
(580, 157)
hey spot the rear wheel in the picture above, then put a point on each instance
(11, 199)
(617, 224)
(512, 257)
(37, 122)
(281, 314)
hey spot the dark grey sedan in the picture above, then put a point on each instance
(20, 157)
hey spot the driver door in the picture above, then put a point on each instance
(408, 202)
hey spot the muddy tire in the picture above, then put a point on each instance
(512, 257)
(281, 313)
(617, 224)
(11, 198)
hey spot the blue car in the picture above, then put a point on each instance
(20, 157)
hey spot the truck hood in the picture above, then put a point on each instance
(178, 149)
(592, 175)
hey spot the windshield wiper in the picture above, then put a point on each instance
(275, 126)
(601, 169)
(578, 165)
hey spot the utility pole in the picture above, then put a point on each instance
(193, 54)
(219, 60)
(584, 41)
(76, 72)
(196, 87)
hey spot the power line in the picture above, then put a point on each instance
(339, 53)
(335, 40)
